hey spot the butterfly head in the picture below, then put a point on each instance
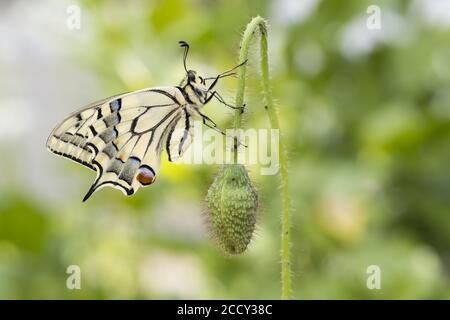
(195, 80)
(195, 86)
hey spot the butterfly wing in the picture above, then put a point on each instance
(121, 137)
(180, 136)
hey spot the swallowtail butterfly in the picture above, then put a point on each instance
(122, 137)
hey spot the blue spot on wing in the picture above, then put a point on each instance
(115, 105)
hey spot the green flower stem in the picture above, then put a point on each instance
(258, 23)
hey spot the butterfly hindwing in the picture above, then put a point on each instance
(121, 138)
(180, 136)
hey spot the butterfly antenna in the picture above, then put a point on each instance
(185, 45)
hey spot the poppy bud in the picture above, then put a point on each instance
(232, 203)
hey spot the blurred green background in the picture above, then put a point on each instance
(365, 115)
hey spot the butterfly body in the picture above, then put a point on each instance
(122, 137)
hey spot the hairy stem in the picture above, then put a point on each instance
(259, 24)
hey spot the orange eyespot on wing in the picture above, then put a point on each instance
(146, 175)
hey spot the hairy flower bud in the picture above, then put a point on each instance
(232, 202)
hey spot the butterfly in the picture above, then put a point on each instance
(122, 137)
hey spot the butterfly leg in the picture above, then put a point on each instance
(216, 95)
(224, 74)
(207, 121)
